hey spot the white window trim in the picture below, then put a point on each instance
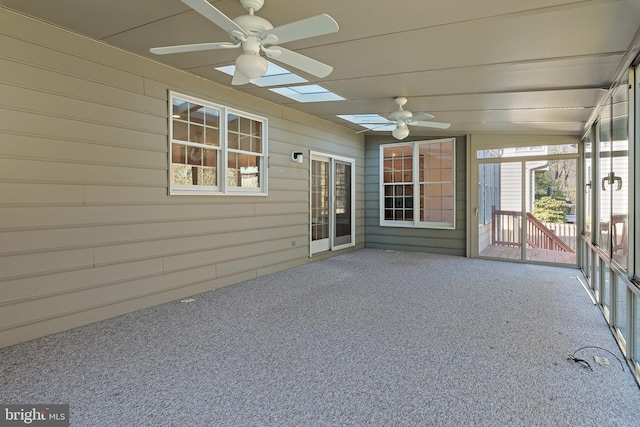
(416, 223)
(222, 188)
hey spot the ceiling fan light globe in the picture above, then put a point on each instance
(251, 65)
(400, 132)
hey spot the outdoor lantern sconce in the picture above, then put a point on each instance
(296, 156)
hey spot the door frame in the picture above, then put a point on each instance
(483, 142)
(332, 159)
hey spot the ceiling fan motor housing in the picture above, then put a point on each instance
(400, 115)
(253, 24)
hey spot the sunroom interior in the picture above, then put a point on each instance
(131, 179)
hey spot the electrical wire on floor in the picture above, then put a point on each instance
(586, 364)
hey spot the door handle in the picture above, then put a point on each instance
(611, 178)
(619, 181)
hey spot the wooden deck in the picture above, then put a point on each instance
(533, 254)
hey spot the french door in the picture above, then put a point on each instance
(525, 203)
(332, 203)
(608, 218)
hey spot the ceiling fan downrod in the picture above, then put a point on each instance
(252, 5)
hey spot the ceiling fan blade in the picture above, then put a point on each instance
(299, 61)
(311, 27)
(418, 117)
(192, 47)
(375, 127)
(239, 79)
(205, 9)
(437, 125)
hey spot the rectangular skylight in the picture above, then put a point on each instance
(278, 76)
(370, 121)
(275, 76)
(308, 93)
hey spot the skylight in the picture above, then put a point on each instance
(370, 121)
(308, 93)
(278, 76)
(275, 76)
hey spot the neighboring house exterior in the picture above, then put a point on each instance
(511, 196)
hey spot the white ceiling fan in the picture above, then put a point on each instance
(401, 118)
(255, 35)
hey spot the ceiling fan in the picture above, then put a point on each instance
(401, 118)
(255, 35)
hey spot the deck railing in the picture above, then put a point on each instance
(505, 227)
(506, 232)
(567, 232)
(539, 236)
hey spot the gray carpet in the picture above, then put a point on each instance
(369, 338)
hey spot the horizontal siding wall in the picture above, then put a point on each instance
(448, 242)
(87, 229)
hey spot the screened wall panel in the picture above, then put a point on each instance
(608, 242)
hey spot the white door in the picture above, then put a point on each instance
(332, 203)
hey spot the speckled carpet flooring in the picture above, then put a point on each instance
(369, 338)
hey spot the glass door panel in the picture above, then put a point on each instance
(588, 185)
(342, 211)
(619, 178)
(604, 170)
(332, 203)
(320, 204)
(500, 224)
(550, 210)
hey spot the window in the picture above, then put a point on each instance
(417, 184)
(215, 149)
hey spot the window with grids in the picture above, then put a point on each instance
(417, 184)
(215, 149)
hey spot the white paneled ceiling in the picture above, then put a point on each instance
(485, 66)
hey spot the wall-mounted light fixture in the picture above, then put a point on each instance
(296, 156)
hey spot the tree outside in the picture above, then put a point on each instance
(555, 191)
(548, 209)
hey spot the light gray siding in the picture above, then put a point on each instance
(88, 230)
(449, 242)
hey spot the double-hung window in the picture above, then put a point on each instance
(417, 184)
(215, 149)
